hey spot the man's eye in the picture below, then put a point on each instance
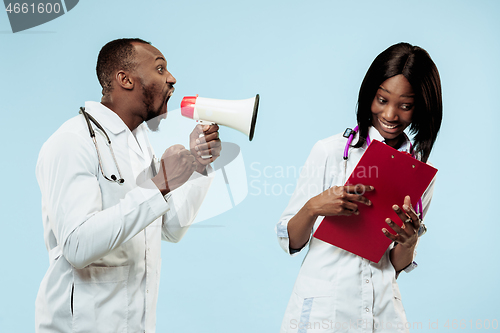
(160, 70)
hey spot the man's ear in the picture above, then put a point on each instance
(124, 80)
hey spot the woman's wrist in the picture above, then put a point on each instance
(402, 256)
(310, 209)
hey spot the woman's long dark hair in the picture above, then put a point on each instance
(418, 68)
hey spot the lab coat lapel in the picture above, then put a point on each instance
(142, 139)
(134, 146)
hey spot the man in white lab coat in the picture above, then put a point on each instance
(107, 206)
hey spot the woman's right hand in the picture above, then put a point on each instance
(339, 200)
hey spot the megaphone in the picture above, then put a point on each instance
(240, 115)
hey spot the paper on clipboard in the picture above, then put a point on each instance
(394, 175)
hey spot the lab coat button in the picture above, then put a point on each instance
(367, 281)
(367, 310)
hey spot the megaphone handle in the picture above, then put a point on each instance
(205, 122)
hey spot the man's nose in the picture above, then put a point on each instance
(171, 79)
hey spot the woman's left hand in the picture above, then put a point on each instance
(407, 235)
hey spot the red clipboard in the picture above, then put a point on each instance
(394, 175)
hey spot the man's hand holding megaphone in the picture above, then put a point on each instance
(204, 141)
(177, 163)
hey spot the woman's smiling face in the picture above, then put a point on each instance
(392, 108)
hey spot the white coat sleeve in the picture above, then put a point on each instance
(185, 202)
(67, 175)
(311, 183)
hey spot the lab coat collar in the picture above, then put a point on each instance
(112, 122)
(106, 117)
(375, 135)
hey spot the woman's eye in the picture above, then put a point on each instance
(381, 100)
(406, 107)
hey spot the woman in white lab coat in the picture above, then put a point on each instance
(337, 291)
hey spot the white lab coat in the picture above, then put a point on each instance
(337, 291)
(104, 238)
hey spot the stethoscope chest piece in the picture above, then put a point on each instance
(348, 132)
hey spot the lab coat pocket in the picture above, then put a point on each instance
(311, 306)
(100, 299)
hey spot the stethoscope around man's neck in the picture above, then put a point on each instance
(349, 134)
(88, 119)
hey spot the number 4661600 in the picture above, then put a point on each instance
(41, 8)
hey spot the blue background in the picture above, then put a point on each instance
(307, 61)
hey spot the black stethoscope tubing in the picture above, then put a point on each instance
(88, 119)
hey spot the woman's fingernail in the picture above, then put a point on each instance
(395, 207)
(197, 141)
(405, 207)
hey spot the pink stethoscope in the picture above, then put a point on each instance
(349, 134)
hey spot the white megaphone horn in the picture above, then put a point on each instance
(240, 115)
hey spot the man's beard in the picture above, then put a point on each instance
(153, 117)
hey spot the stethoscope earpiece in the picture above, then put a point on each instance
(119, 181)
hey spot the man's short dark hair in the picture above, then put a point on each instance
(116, 55)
